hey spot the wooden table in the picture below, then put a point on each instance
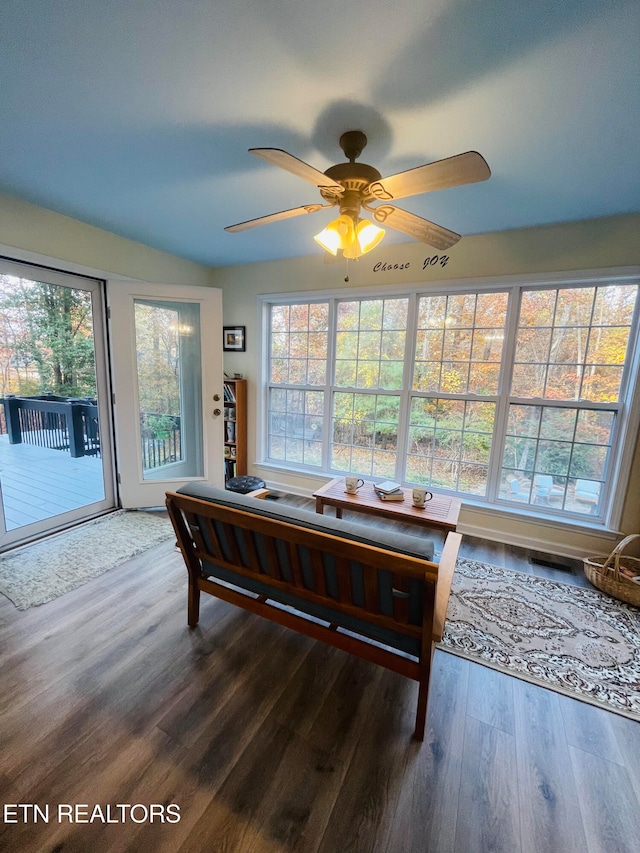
(440, 511)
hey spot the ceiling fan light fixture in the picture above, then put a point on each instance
(339, 234)
(368, 236)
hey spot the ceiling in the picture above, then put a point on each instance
(136, 116)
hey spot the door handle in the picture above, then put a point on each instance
(217, 412)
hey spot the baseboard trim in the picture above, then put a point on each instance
(531, 543)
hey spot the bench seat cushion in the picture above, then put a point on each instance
(413, 545)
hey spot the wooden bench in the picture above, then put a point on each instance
(369, 591)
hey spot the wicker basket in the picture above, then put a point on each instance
(606, 576)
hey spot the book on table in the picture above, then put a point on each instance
(397, 495)
(387, 487)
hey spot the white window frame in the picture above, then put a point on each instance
(623, 444)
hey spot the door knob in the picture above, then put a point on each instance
(216, 397)
(217, 412)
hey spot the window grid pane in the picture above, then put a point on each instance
(370, 343)
(556, 457)
(571, 346)
(450, 444)
(297, 357)
(572, 343)
(459, 343)
(365, 434)
(295, 426)
(298, 344)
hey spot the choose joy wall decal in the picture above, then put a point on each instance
(434, 260)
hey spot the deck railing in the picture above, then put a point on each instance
(161, 439)
(59, 423)
(71, 424)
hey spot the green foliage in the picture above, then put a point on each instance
(556, 458)
(158, 355)
(160, 425)
(51, 346)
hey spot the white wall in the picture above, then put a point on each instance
(33, 234)
(611, 243)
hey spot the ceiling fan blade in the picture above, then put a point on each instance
(423, 230)
(287, 161)
(466, 168)
(274, 217)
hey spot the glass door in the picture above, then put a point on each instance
(168, 355)
(167, 368)
(56, 461)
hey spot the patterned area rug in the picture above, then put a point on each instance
(574, 640)
(53, 566)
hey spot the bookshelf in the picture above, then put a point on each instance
(235, 428)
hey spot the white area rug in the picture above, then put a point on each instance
(51, 567)
(571, 639)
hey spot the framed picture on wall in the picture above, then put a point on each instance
(233, 338)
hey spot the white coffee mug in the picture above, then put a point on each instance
(352, 484)
(420, 496)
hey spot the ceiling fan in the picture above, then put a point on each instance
(355, 186)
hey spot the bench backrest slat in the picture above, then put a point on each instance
(293, 564)
(229, 531)
(371, 591)
(343, 576)
(400, 593)
(271, 556)
(252, 551)
(317, 568)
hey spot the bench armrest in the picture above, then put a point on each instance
(446, 568)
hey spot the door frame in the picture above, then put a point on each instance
(134, 491)
(97, 288)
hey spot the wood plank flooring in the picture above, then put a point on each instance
(270, 742)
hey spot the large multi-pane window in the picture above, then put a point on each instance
(512, 396)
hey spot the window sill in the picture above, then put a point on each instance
(576, 525)
(316, 479)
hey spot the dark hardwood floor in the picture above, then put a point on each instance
(269, 742)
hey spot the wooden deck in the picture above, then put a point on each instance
(39, 483)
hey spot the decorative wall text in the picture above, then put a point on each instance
(431, 261)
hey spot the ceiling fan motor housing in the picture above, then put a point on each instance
(352, 142)
(355, 178)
